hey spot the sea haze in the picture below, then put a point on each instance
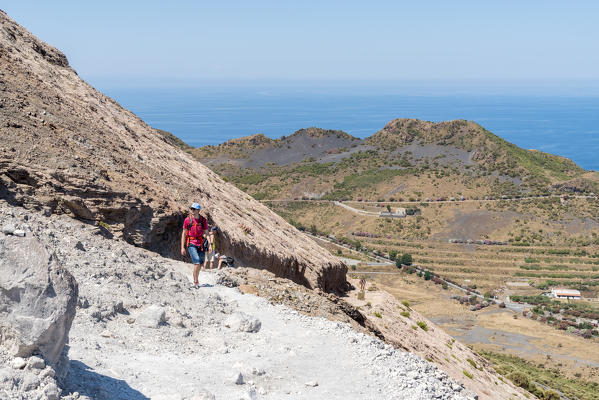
(563, 125)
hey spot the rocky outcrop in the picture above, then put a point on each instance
(37, 301)
(68, 149)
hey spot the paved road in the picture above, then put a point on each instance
(386, 261)
(357, 211)
(457, 201)
(379, 259)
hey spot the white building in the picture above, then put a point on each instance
(559, 293)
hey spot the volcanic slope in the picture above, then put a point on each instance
(68, 149)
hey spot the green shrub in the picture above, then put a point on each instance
(561, 252)
(405, 314)
(468, 374)
(378, 314)
(471, 362)
(406, 259)
(422, 325)
(519, 379)
(551, 395)
(406, 303)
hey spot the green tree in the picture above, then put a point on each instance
(427, 275)
(406, 259)
(393, 255)
(388, 208)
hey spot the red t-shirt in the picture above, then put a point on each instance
(196, 230)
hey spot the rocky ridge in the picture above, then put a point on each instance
(68, 149)
(142, 331)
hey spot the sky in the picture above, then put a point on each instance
(155, 43)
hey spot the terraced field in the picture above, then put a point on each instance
(493, 268)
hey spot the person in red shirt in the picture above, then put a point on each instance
(193, 237)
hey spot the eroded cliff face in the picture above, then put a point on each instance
(67, 148)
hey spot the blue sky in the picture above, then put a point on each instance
(155, 42)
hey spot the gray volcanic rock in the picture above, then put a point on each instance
(37, 301)
(242, 322)
(152, 316)
(68, 149)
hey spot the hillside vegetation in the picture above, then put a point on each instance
(406, 159)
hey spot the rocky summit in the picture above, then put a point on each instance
(68, 149)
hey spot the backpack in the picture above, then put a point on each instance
(193, 223)
(229, 261)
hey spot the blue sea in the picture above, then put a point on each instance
(566, 125)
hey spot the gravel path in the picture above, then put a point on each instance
(142, 331)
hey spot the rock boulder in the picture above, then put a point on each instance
(152, 317)
(242, 322)
(37, 301)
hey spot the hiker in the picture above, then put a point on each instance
(213, 252)
(193, 237)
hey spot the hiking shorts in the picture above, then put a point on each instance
(197, 255)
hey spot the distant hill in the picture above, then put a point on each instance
(407, 158)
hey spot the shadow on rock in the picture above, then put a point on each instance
(83, 379)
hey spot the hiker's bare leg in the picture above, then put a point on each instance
(196, 272)
(220, 263)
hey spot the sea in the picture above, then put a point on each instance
(566, 125)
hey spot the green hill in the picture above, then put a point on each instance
(406, 159)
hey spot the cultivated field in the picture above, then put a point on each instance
(530, 269)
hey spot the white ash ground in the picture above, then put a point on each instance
(200, 343)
